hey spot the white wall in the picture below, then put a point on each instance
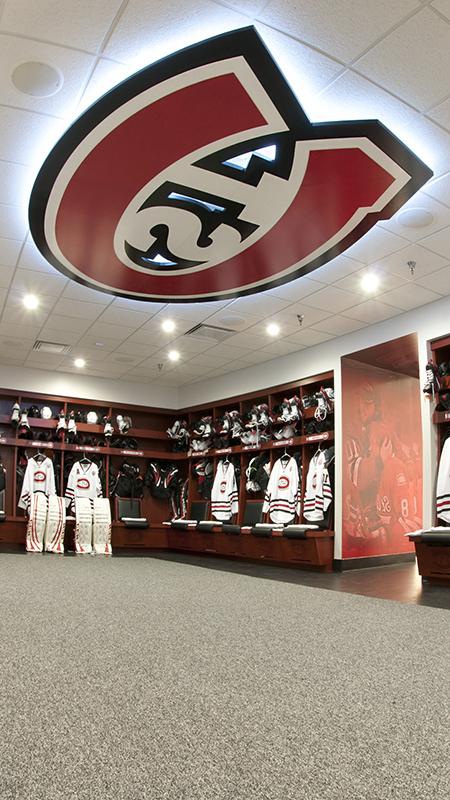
(85, 386)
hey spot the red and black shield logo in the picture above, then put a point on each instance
(201, 178)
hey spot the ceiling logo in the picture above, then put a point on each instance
(201, 178)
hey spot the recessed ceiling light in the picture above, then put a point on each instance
(273, 329)
(415, 217)
(370, 282)
(99, 344)
(79, 363)
(37, 79)
(174, 355)
(168, 326)
(31, 302)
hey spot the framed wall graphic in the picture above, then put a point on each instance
(201, 178)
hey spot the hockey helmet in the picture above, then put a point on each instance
(33, 412)
(46, 412)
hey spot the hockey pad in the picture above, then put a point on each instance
(56, 525)
(36, 523)
(83, 525)
(207, 526)
(101, 526)
(231, 530)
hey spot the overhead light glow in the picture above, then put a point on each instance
(174, 355)
(168, 326)
(242, 161)
(79, 363)
(31, 302)
(370, 282)
(273, 329)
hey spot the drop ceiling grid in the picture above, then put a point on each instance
(96, 45)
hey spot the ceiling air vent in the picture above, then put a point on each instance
(52, 347)
(211, 332)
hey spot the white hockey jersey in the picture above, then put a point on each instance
(224, 493)
(443, 484)
(83, 481)
(318, 495)
(282, 498)
(39, 477)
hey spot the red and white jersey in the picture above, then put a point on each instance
(83, 481)
(397, 504)
(39, 477)
(224, 493)
(443, 484)
(282, 498)
(318, 495)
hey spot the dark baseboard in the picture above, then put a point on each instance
(343, 564)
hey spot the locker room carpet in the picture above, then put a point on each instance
(142, 679)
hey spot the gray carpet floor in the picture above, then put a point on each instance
(141, 678)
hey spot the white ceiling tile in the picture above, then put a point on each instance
(27, 137)
(361, 99)
(144, 307)
(132, 348)
(280, 348)
(420, 201)
(188, 344)
(68, 324)
(38, 283)
(332, 298)
(441, 114)
(306, 70)
(421, 82)
(443, 6)
(338, 326)
(296, 290)
(91, 342)
(246, 340)
(61, 335)
(232, 352)
(121, 316)
(259, 356)
(31, 258)
(257, 306)
(437, 281)
(16, 181)
(131, 42)
(6, 274)
(374, 245)
(430, 143)
(409, 296)
(10, 345)
(73, 65)
(372, 311)
(310, 337)
(13, 221)
(425, 262)
(62, 22)
(76, 291)
(345, 30)
(336, 269)
(16, 313)
(439, 189)
(289, 317)
(8, 330)
(9, 252)
(353, 282)
(76, 308)
(17, 360)
(43, 360)
(105, 76)
(102, 329)
(439, 243)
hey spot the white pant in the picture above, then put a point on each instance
(83, 525)
(102, 526)
(56, 524)
(37, 518)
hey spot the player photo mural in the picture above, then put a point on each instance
(382, 461)
(201, 178)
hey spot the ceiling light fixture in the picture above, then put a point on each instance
(31, 302)
(79, 363)
(273, 329)
(37, 79)
(168, 326)
(174, 355)
(370, 282)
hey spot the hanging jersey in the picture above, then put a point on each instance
(83, 481)
(318, 494)
(39, 477)
(443, 484)
(224, 493)
(282, 498)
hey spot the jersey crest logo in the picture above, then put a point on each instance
(283, 482)
(201, 178)
(223, 487)
(39, 476)
(83, 483)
